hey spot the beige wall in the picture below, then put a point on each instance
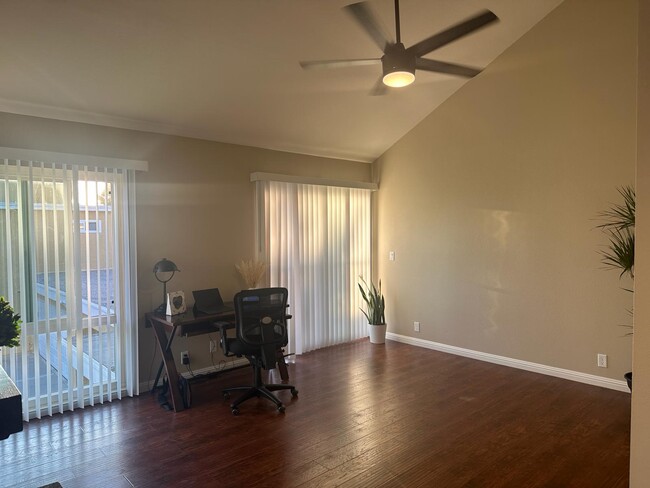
(194, 205)
(489, 203)
(640, 446)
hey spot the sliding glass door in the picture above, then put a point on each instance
(316, 240)
(65, 267)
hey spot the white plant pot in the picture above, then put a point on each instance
(377, 333)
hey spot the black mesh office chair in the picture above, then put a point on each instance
(261, 324)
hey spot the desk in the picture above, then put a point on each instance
(11, 406)
(188, 324)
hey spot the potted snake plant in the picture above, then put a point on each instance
(374, 311)
(618, 226)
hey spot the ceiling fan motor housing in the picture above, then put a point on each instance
(398, 65)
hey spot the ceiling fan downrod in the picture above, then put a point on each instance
(397, 29)
(398, 65)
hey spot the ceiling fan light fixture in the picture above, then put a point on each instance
(398, 66)
(398, 79)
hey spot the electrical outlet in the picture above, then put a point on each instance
(416, 326)
(213, 346)
(391, 255)
(602, 360)
(185, 357)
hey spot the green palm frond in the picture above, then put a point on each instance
(630, 312)
(620, 216)
(620, 253)
(618, 225)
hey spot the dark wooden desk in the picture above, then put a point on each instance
(188, 324)
(11, 406)
(185, 324)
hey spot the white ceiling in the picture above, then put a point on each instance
(227, 70)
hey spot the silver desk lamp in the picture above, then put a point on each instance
(164, 271)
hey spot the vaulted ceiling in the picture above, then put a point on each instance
(227, 70)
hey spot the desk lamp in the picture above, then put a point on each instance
(167, 269)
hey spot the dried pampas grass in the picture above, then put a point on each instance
(252, 271)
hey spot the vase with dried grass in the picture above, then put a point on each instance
(252, 271)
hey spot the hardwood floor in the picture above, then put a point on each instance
(366, 416)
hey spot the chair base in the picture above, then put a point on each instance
(259, 389)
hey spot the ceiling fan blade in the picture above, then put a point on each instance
(338, 63)
(379, 89)
(453, 33)
(448, 68)
(365, 18)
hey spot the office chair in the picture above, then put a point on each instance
(261, 325)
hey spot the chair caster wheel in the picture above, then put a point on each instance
(294, 392)
(281, 408)
(235, 411)
(226, 396)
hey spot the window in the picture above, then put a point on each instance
(316, 240)
(72, 284)
(90, 226)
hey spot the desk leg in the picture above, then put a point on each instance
(162, 362)
(170, 366)
(155, 383)
(282, 365)
(150, 324)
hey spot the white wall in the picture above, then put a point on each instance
(489, 203)
(640, 445)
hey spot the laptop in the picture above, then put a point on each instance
(209, 302)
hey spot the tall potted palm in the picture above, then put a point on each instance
(618, 225)
(374, 311)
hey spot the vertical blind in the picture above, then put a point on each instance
(316, 240)
(67, 266)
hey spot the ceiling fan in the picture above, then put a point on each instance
(399, 63)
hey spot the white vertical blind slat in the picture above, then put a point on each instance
(88, 326)
(101, 183)
(70, 236)
(8, 262)
(77, 322)
(58, 203)
(46, 283)
(104, 330)
(31, 251)
(123, 356)
(23, 299)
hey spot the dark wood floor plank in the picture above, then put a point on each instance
(366, 416)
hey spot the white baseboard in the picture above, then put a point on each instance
(147, 385)
(566, 374)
